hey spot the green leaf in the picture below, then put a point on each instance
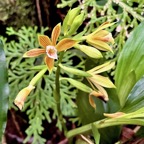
(110, 135)
(131, 59)
(126, 86)
(4, 91)
(113, 102)
(96, 134)
(135, 99)
(86, 112)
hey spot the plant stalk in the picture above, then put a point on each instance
(57, 94)
(104, 123)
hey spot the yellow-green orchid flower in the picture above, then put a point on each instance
(98, 82)
(50, 48)
(100, 37)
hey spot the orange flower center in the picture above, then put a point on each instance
(51, 52)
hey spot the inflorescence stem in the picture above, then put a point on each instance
(57, 94)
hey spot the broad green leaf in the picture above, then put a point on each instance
(113, 102)
(135, 99)
(131, 59)
(96, 134)
(110, 135)
(4, 91)
(86, 112)
(126, 86)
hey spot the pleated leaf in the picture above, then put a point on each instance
(4, 91)
(131, 60)
(135, 99)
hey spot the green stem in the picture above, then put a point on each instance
(104, 123)
(37, 76)
(57, 94)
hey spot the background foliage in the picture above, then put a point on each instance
(18, 39)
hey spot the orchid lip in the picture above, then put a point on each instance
(51, 52)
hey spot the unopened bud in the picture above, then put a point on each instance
(22, 95)
(70, 18)
(76, 24)
(90, 51)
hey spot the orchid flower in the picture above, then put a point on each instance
(98, 82)
(50, 48)
(100, 37)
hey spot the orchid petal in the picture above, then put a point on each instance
(90, 51)
(103, 26)
(95, 94)
(65, 44)
(50, 63)
(91, 101)
(106, 38)
(103, 81)
(100, 45)
(102, 68)
(34, 52)
(44, 40)
(55, 33)
(103, 91)
(100, 33)
(51, 52)
(106, 68)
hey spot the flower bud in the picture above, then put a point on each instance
(90, 51)
(70, 18)
(76, 24)
(78, 85)
(22, 95)
(75, 71)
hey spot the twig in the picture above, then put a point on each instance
(39, 12)
(16, 125)
(86, 139)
